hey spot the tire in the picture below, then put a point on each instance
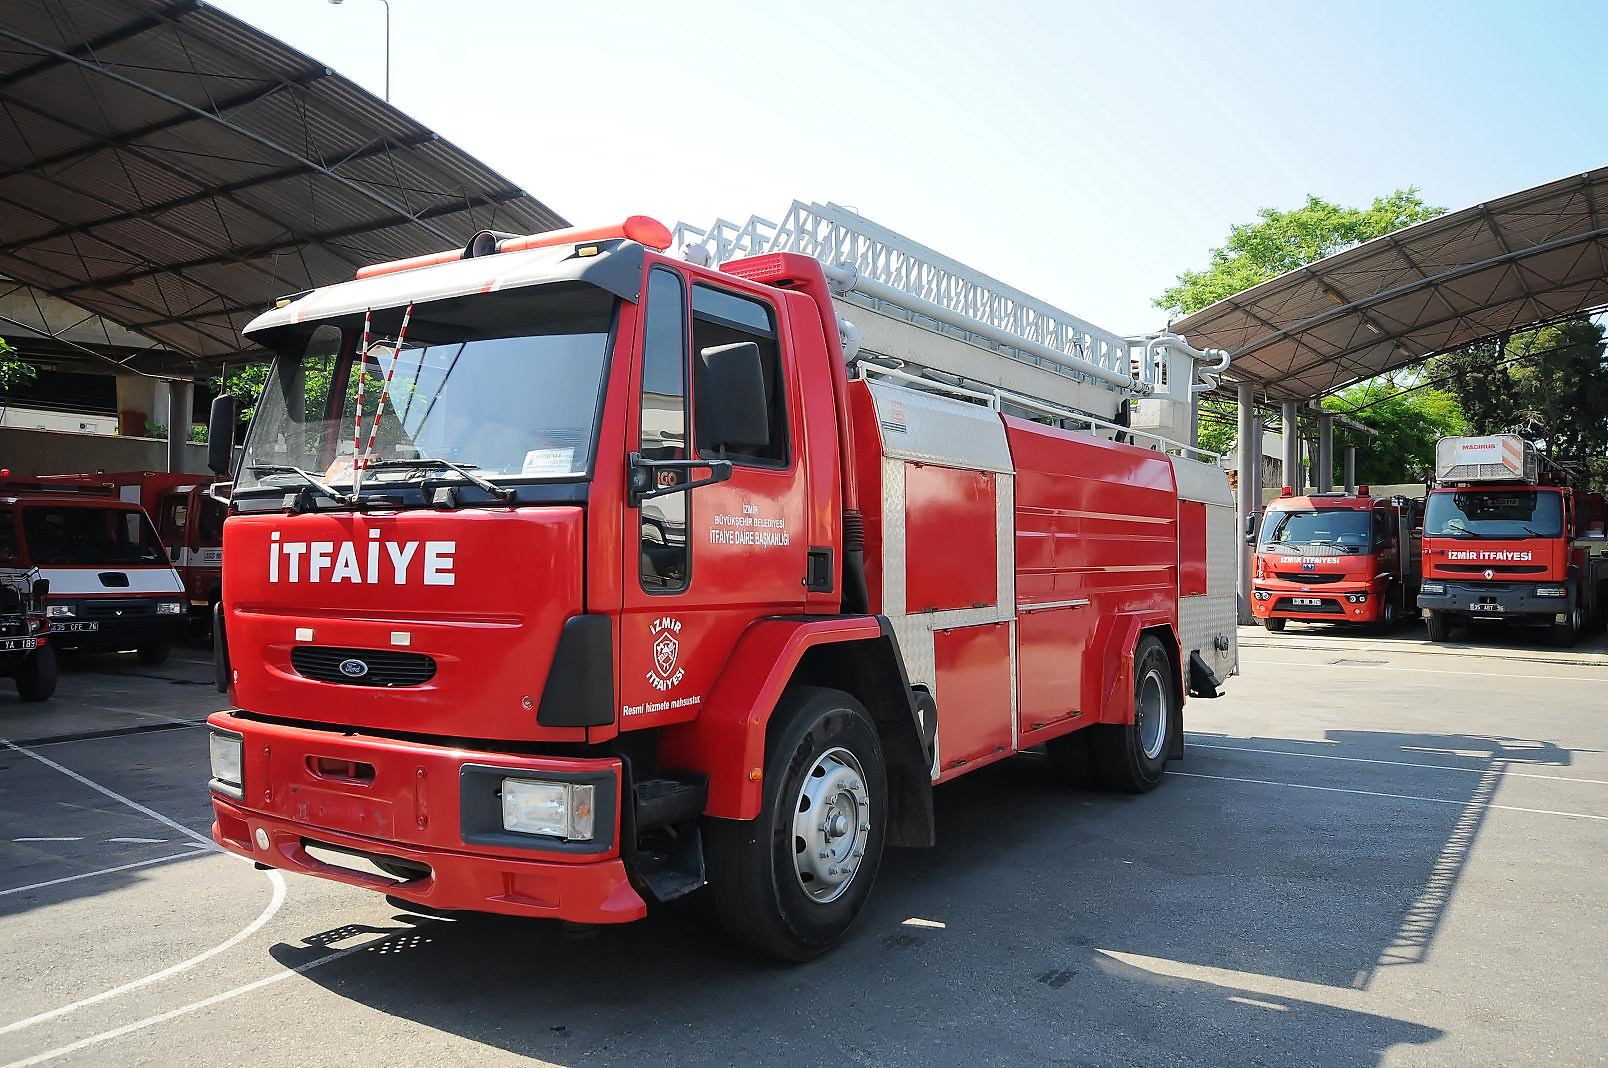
(36, 681)
(775, 894)
(1567, 633)
(1389, 619)
(1438, 626)
(1273, 624)
(1072, 757)
(154, 652)
(1131, 757)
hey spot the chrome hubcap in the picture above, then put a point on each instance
(1150, 713)
(831, 825)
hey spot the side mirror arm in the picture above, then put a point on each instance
(646, 479)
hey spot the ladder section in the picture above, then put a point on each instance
(883, 267)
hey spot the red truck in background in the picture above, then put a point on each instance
(189, 521)
(565, 576)
(1506, 537)
(1336, 558)
(110, 585)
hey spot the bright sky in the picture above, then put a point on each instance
(1086, 153)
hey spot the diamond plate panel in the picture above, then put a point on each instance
(1202, 620)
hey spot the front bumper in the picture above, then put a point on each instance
(1332, 606)
(411, 804)
(138, 624)
(1495, 600)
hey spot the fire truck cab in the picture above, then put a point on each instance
(1337, 558)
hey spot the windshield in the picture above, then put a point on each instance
(506, 384)
(74, 535)
(1494, 514)
(1345, 529)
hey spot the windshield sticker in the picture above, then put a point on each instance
(340, 470)
(549, 462)
(750, 528)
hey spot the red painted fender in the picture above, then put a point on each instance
(727, 740)
(1108, 687)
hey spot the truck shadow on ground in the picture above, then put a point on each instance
(1204, 923)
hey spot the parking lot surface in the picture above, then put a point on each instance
(1377, 852)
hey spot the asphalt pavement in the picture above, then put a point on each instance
(1377, 851)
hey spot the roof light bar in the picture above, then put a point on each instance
(638, 228)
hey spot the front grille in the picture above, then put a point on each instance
(117, 609)
(380, 667)
(1499, 569)
(1309, 578)
(1327, 607)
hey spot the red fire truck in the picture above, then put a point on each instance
(25, 653)
(189, 522)
(1506, 540)
(1337, 558)
(564, 575)
(110, 585)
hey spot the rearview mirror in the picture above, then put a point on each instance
(41, 589)
(733, 407)
(221, 422)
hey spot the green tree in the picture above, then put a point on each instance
(1281, 241)
(14, 371)
(1408, 422)
(1549, 384)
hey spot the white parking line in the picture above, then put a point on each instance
(1376, 793)
(1598, 679)
(275, 879)
(1392, 763)
(104, 871)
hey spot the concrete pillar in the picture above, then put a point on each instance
(1323, 473)
(1351, 469)
(1292, 448)
(180, 400)
(1248, 496)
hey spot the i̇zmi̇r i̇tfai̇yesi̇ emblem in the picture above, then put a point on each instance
(666, 651)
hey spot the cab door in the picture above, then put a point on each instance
(716, 540)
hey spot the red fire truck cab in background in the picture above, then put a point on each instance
(622, 587)
(1337, 558)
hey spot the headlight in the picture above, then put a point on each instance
(1552, 591)
(1356, 598)
(552, 809)
(170, 608)
(1432, 587)
(226, 752)
(57, 611)
(1262, 595)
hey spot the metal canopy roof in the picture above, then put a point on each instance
(1530, 257)
(174, 170)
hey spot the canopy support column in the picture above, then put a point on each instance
(1351, 469)
(1249, 493)
(1323, 467)
(1292, 448)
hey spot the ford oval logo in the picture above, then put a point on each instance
(353, 669)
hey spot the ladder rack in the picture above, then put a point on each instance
(880, 268)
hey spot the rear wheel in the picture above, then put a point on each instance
(1438, 626)
(1273, 624)
(36, 680)
(790, 883)
(154, 652)
(1131, 757)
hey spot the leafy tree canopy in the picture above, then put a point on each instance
(1281, 241)
(14, 371)
(1549, 384)
(1408, 422)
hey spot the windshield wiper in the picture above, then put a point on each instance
(501, 493)
(286, 469)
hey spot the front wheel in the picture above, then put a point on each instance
(154, 652)
(1131, 757)
(1568, 632)
(1273, 624)
(790, 883)
(1438, 626)
(36, 681)
(1388, 619)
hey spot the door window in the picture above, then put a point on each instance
(663, 541)
(723, 318)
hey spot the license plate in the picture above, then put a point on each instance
(1307, 601)
(1485, 606)
(69, 627)
(13, 645)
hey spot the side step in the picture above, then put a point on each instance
(667, 813)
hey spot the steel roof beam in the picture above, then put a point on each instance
(358, 188)
(226, 191)
(105, 40)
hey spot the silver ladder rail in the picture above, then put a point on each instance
(877, 263)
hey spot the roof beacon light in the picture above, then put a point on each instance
(638, 228)
(1362, 491)
(1286, 492)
